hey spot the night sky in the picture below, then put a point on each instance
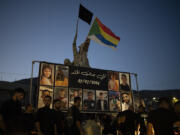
(44, 30)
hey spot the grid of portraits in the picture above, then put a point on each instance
(54, 82)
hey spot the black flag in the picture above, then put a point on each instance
(85, 14)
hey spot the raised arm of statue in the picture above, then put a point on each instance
(85, 46)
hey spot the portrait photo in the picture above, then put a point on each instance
(62, 94)
(43, 92)
(61, 77)
(74, 93)
(124, 81)
(113, 82)
(46, 74)
(126, 98)
(114, 101)
(101, 100)
(89, 103)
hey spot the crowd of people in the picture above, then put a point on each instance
(163, 120)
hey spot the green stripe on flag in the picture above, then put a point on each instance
(94, 29)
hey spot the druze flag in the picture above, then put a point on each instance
(103, 35)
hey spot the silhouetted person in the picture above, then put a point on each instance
(141, 116)
(76, 128)
(45, 121)
(59, 117)
(130, 122)
(11, 109)
(119, 124)
(161, 119)
(29, 117)
(107, 120)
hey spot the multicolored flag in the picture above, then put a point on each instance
(103, 35)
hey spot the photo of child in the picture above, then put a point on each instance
(47, 73)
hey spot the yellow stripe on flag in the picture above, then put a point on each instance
(108, 37)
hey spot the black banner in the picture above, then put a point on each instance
(88, 78)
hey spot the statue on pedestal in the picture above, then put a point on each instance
(80, 57)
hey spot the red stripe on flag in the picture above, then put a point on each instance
(106, 29)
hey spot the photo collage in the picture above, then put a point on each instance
(54, 82)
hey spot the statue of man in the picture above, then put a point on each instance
(80, 57)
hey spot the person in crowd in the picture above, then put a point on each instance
(11, 110)
(63, 98)
(89, 103)
(45, 119)
(59, 117)
(29, 117)
(46, 76)
(61, 79)
(141, 116)
(176, 124)
(76, 126)
(161, 119)
(125, 101)
(124, 85)
(118, 125)
(41, 99)
(106, 122)
(131, 122)
(113, 83)
(102, 104)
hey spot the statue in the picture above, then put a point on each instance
(80, 57)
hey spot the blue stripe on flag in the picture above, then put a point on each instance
(102, 39)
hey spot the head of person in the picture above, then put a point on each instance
(45, 93)
(101, 96)
(18, 94)
(113, 76)
(164, 102)
(46, 71)
(124, 79)
(125, 97)
(62, 93)
(77, 101)
(76, 93)
(57, 104)
(90, 95)
(47, 101)
(177, 107)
